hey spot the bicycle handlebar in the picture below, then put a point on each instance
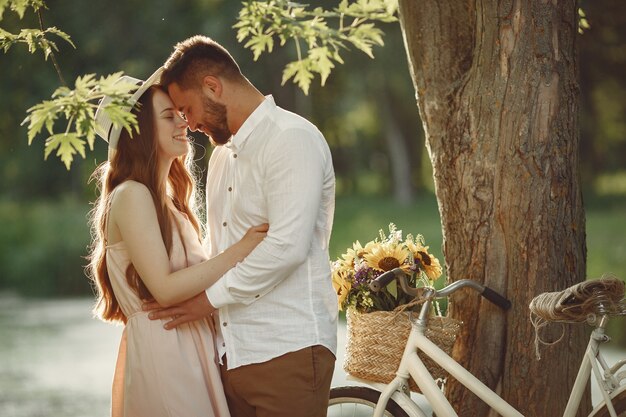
(496, 298)
(384, 279)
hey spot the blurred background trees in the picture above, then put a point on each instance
(366, 110)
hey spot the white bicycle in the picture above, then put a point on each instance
(604, 299)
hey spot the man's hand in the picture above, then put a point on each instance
(193, 309)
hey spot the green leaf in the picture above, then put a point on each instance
(301, 74)
(393, 289)
(321, 62)
(259, 44)
(66, 145)
(303, 77)
(61, 35)
(19, 7)
(3, 6)
(121, 117)
(34, 39)
(77, 106)
(317, 40)
(36, 120)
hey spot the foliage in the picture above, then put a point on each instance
(42, 248)
(603, 88)
(20, 6)
(258, 21)
(35, 39)
(583, 23)
(360, 265)
(600, 119)
(263, 22)
(78, 108)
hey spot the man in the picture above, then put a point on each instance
(277, 309)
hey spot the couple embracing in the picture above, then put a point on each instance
(239, 322)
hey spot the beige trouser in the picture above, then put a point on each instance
(296, 384)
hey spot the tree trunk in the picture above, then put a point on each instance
(498, 94)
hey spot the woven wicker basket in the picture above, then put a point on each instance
(376, 341)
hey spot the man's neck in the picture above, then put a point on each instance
(244, 101)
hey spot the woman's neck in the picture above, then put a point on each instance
(164, 170)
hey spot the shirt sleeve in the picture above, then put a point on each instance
(295, 169)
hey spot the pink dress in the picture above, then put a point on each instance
(168, 373)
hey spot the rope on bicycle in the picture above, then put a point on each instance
(575, 305)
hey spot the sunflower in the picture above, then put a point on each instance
(385, 257)
(426, 262)
(342, 286)
(356, 252)
(352, 253)
(354, 270)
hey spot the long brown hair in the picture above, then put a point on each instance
(136, 159)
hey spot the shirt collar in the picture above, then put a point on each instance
(239, 139)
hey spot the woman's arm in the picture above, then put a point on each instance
(134, 214)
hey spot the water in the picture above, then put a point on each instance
(56, 360)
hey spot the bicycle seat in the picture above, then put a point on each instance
(574, 305)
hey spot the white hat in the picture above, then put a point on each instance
(104, 126)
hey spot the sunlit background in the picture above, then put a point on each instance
(55, 359)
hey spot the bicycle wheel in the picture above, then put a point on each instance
(359, 402)
(619, 403)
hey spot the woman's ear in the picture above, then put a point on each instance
(212, 86)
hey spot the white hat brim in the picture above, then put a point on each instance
(104, 126)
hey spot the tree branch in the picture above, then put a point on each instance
(52, 55)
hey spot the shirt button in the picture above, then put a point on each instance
(257, 296)
(224, 324)
(234, 155)
(223, 344)
(224, 224)
(230, 188)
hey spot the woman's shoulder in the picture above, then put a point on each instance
(131, 193)
(131, 187)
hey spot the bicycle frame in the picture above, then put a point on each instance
(411, 365)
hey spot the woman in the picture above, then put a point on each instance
(146, 245)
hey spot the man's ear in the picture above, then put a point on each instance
(212, 86)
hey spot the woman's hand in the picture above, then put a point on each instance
(255, 235)
(250, 240)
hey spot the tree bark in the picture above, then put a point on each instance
(497, 90)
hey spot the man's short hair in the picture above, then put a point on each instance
(195, 58)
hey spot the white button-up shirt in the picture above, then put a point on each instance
(276, 169)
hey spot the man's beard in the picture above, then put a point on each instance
(216, 122)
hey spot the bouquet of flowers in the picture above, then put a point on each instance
(376, 334)
(353, 272)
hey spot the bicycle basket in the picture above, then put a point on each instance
(376, 342)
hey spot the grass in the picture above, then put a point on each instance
(360, 218)
(42, 247)
(606, 241)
